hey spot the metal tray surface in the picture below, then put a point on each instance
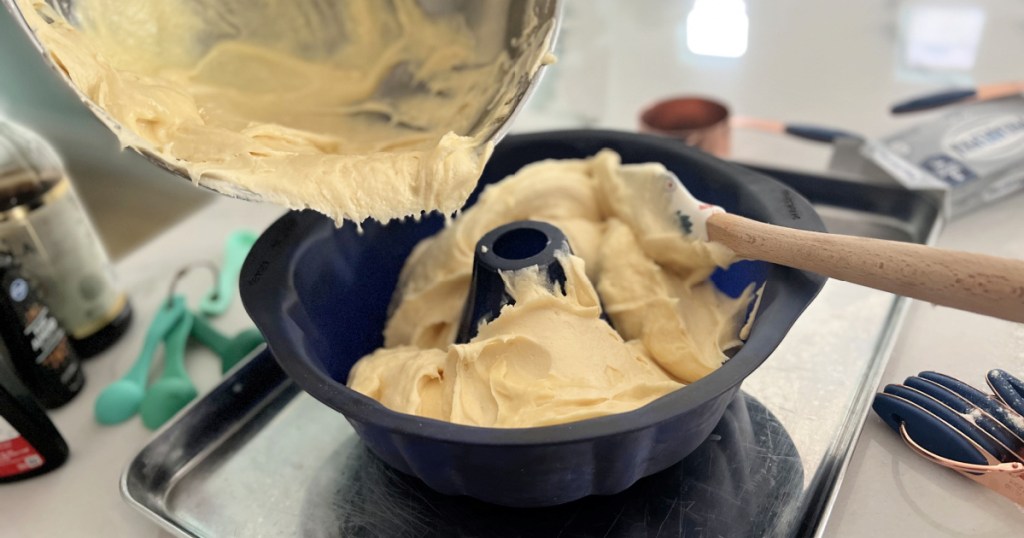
(258, 457)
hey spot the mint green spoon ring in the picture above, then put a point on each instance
(120, 400)
(217, 300)
(230, 350)
(174, 389)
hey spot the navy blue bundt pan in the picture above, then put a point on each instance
(320, 297)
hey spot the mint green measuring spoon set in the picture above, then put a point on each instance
(173, 326)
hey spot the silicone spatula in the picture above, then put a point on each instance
(978, 283)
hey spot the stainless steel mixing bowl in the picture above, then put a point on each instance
(493, 124)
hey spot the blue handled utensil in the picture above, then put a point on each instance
(1010, 420)
(959, 95)
(943, 426)
(996, 429)
(818, 133)
(934, 100)
(1009, 390)
(954, 420)
(954, 384)
(806, 131)
(974, 395)
(927, 430)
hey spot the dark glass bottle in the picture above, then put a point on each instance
(38, 346)
(30, 445)
(44, 225)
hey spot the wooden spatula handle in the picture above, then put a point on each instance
(975, 282)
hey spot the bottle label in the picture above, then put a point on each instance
(43, 332)
(31, 331)
(16, 454)
(59, 249)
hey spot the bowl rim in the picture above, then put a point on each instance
(136, 143)
(282, 241)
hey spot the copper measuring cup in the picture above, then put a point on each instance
(696, 121)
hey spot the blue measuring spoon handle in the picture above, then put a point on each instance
(1008, 388)
(955, 420)
(971, 412)
(970, 393)
(934, 100)
(926, 429)
(817, 133)
(1010, 420)
(951, 399)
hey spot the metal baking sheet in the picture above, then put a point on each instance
(257, 457)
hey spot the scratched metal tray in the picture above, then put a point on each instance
(258, 457)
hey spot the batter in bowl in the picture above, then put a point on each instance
(550, 358)
(358, 109)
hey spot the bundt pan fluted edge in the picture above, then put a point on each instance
(320, 295)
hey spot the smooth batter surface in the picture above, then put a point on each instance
(362, 108)
(549, 358)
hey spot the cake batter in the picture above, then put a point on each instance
(550, 358)
(304, 103)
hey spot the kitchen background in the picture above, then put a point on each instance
(833, 63)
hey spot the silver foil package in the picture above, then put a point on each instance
(975, 152)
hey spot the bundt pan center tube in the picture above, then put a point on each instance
(320, 296)
(516, 245)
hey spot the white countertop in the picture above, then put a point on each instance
(833, 63)
(86, 487)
